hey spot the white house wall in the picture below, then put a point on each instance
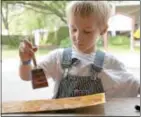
(131, 10)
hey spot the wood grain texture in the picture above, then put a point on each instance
(54, 104)
(112, 107)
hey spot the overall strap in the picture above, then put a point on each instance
(99, 60)
(67, 58)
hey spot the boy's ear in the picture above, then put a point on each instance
(104, 30)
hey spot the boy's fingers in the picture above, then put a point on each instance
(28, 43)
(21, 47)
(35, 49)
(28, 50)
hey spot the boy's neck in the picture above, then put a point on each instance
(89, 51)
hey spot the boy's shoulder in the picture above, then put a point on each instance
(56, 51)
(53, 55)
(112, 61)
(60, 51)
(109, 55)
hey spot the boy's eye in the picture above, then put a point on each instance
(87, 32)
(74, 30)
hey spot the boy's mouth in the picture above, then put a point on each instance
(80, 44)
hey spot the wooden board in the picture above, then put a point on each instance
(53, 104)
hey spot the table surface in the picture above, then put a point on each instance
(113, 106)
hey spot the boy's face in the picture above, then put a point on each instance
(83, 32)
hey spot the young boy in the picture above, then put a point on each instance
(82, 70)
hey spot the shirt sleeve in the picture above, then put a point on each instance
(51, 64)
(111, 62)
(118, 81)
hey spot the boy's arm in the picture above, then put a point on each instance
(122, 75)
(50, 65)
(25, 71)
(26, 53)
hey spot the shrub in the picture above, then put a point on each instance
(57, 36)
(12, 40)
(119, 40)
(65, 43)
(99, 42)
(51, 37)
(62, 33)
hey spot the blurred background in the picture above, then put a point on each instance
(45, 23)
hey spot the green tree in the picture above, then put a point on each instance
(36, 14)
(46, 7)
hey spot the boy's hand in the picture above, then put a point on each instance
(26, 50)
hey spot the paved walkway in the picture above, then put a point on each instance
(13, 88)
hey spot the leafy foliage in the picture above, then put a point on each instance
(119, 40)
(30, 15)
(65, 43)
(12, 41)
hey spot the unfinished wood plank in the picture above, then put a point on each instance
(53, 104)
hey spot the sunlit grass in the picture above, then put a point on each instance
(14, 52)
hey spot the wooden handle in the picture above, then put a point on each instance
(34, 61)
(34, 58)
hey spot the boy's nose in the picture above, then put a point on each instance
(77, 40)
(78, 36)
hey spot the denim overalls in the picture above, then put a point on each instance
(71, 85)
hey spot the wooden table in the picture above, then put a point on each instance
(114, 106)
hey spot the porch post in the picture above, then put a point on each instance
(105, 40)
(131, 35)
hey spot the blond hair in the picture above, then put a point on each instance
(100, 9)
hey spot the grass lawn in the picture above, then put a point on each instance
(13, 52)
(122, 49)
